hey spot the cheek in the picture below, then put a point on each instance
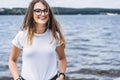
(35, 18)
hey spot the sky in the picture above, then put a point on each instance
(64, 3)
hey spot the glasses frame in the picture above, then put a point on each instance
(39, 12)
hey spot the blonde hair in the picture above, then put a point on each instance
(52, 24)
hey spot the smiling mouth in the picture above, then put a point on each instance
(42, 18)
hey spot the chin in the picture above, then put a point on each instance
(41, 22)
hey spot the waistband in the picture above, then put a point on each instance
(54, 78)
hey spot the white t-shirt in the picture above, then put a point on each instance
(39, 60)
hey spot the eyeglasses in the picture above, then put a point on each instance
(38, 12)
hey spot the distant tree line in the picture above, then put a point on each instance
(60, 11)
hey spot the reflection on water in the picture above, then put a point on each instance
(92, 49)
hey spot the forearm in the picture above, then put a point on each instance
(13, 69)
(62, 65)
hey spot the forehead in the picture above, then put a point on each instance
(39, 5)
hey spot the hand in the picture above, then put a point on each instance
(61, 77)
(19, 78)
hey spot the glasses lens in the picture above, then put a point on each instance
(38, 11)
(46, 11)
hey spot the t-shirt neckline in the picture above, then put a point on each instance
(42, 34)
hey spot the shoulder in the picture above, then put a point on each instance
(18, 39)
(21, 33)
(50, 32)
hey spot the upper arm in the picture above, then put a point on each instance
(14, 53)
(60, 51)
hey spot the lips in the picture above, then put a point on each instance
(42, 18)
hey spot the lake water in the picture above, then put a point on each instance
(92, 50)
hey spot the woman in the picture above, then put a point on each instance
(40, 41)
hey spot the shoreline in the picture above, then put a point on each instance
(64, 11)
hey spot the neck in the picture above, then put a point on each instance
(40, 29)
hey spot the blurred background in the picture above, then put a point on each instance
(91, 29)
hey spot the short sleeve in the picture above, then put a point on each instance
(17, 40)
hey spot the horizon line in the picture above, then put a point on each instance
(62, 7)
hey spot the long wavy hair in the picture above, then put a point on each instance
(52, 24)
